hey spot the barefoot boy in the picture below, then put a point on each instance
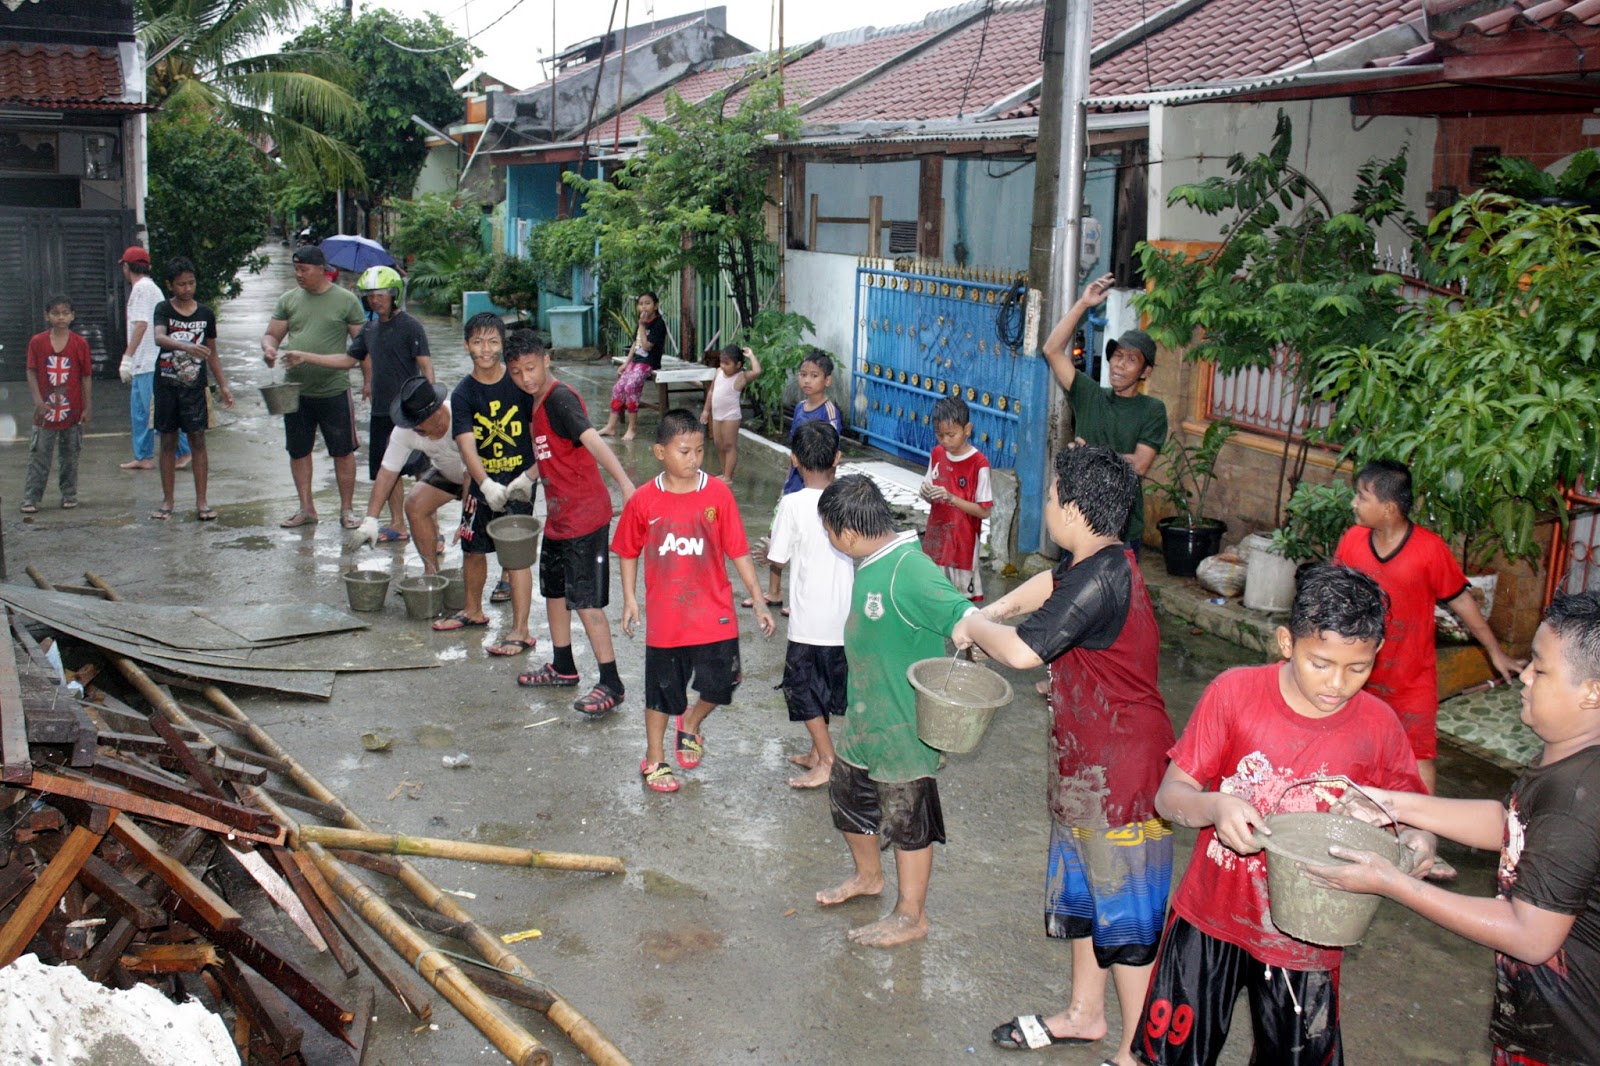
(186, 334)
(1544, 922)
(814, 669)
(956, 487)
(882, 789)
(1256, 734)
(685, 524)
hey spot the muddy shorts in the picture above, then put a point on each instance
(1294, 1014)
(713, 670)
(179, 407)
(1110, 885)
(903, 814)
(814, 677)
(335, 416)
(577, 569)
(475, 519)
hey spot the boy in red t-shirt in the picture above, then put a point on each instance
(1266, 738)
(574, 566)
(685, 524)
(58, 379)
(956, 487)
(1415, 567)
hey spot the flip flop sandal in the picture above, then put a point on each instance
(658, 777)
(205, 515)
(30, 508)
(690, 747)
(599, 700)
(390, 535)
(517, 646)
(459, 620)
(67, 505)
(161, 514)
(502, 591)
(771, 604)
(546, 677)
(298, 519)
(1028, 1032)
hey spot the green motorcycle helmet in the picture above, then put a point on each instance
(381, 279)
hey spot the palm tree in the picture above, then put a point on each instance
(202, 58)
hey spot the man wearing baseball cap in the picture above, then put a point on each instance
(138, 367)
(311, 328)
(1120, 417)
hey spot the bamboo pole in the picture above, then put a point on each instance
(579, 1029)
(435, 848)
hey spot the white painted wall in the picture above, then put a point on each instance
(842, 190)
(822, 286)
(988, 210)
(439, 171)
(1190, 144)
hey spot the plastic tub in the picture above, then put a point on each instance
(955, 701)
(424, 595)
(455, 589)
(367, 589)
(516, 540)
(282, 398)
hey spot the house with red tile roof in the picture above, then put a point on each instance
(72, 175)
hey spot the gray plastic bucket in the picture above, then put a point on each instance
(424, 595)
(955, 700)
(455, 589)
(282, 398)
(516, 540)
(367, 589)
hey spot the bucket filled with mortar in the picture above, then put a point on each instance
(516, 540)
(455, 589)
(366, 589)
(282, 398)
(424, 595)
(956, 698)
(1326, 916)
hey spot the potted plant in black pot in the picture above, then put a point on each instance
(1183, 481)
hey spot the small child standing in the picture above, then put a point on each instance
(186, 334)
(956, 487)
(814, 378)
(1544, 922)
(1257, 732)
(722, 410)
(685, 524)
(58, 380)
(882, 790)
(814, 669)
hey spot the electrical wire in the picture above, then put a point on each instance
(1009, 316)
(972, 71)
(458, 42)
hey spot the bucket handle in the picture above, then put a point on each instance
(1394, 823)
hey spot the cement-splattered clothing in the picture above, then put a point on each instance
(1550, 859)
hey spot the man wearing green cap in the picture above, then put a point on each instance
(1119, 417)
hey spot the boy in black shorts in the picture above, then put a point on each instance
(685, 525)
(186, 334)
(489, 419)
(574, 565)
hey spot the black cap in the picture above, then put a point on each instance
(310, 253)
(1139, 341)
(417, 400)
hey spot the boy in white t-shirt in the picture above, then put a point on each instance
(814, 670)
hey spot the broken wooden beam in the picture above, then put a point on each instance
(283, 861)
(170, 958)
(16, 762)
(433, 847)
(212, 908)
(46, 892)
(64, 784)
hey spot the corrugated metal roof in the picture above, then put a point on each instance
(1242, 86)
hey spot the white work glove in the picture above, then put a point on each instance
(125, 370)
(521, 488)
(494, 494)
(366, 533)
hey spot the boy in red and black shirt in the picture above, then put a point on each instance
(58, 379)
(685, 525)
(956, 487)
(574, 565)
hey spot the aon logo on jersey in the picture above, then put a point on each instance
(682, 546)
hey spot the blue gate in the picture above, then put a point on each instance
(931, 331)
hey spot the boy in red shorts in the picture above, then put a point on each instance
(1265, 738)
(685, 525)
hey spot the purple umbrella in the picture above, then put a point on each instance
(351, 253)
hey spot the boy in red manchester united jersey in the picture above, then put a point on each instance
(685, 525)
(1415, 567)
(956, 487)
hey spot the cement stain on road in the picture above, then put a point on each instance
(256, 543)
(668, 946)
(434, 736)
(659, 884)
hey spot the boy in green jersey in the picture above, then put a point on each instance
(882, 789)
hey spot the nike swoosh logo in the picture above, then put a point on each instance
(653, 521)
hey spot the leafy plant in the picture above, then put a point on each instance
(1517, 177)
(1490, 398)
(439, 277)
(1314, 520)
(1185, 477)
(433, 223)
(513, 282)
(558, 247)
(775, 336)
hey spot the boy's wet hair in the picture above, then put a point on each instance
(521, 342)
(853, 504)
(1334, 598)
(951, 410)
(178, 266)
(821, 360)
(814, 446)
(484, 322)
(1390, 482)
(1576, 620)
(58, 299)
(734, 354)
(1100, 483)
(677, 422)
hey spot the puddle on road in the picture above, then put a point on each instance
(454, 654)
(659, 884)
(255, 543)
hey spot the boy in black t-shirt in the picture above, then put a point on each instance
(1544, 922)
(186, 334)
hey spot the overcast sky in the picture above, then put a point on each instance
(515, 44)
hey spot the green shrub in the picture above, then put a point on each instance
(207, 201)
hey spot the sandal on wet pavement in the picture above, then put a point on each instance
(689, 747)
(391, 535)
(659, 777)
(510, 646)
(161, 514)
(1028, 1032)
(546, 677)
(502, 591)
(206, 514)
(298, 519)
(601, 699)
(459, 620)
(30, 508)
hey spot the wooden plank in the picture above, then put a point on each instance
(133, 803)
(102, 960)
(811, 230)
(212, 908)
(15, 877)
(16, 765)
(157, 785)
(277, 889)
(186, 759)
(46, 892)
(284, 975)
(115, 889)
(327, 812)
(89, 815)
(258, 1002)
(170, 958)
(360, 1025)
(285, 862)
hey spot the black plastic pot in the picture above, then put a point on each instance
(1184, 546)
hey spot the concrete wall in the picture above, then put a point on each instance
(988, 210)
(439, 171)
(822, 287)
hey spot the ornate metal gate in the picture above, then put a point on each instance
(930, 331)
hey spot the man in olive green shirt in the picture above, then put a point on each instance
(1120, 418)
(310, 329)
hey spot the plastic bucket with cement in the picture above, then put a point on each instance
(516, 540)
(1326, 916)
(367, 589)
(455, 589)
(282, 398)
(424, 595)
(956, 698)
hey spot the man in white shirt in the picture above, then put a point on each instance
(138, 368)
